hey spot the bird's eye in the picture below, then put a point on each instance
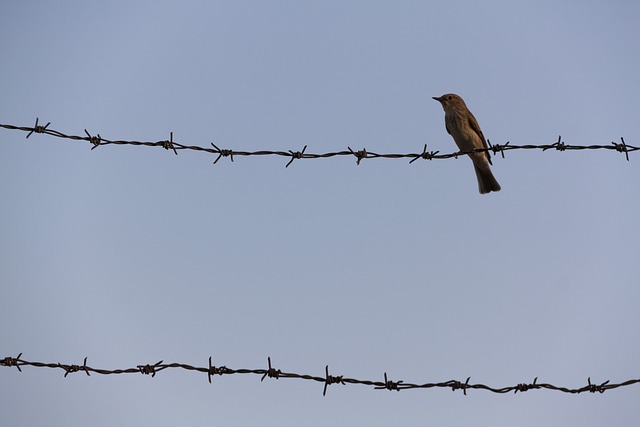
(449, 97)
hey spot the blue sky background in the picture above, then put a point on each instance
(129, 255)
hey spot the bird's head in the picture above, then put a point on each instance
(450, 100)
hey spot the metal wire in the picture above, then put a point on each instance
(170, 144)
(327, 379)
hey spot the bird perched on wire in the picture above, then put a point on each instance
(464, 129)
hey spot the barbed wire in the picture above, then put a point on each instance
(327, 379)
(271, 372)
(170, 144)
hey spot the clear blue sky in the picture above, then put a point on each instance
(129, 255)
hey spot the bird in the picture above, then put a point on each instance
(466, 133)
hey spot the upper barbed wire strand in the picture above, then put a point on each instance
(170, 144)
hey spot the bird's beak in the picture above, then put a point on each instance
(437, 98)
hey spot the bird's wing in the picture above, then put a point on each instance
(476, 127)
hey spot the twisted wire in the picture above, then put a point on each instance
(97, 140)
(271, 372)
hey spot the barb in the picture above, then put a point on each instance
(360, 155)
(151, 369)
(168, 145)
(74, 368)
(326, 380)
(271, 373)
(389, 385)
(329, 379)
(296, 155)
(38, 129)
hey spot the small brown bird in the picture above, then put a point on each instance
(464, 129)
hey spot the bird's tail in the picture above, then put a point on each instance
(486, 181)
